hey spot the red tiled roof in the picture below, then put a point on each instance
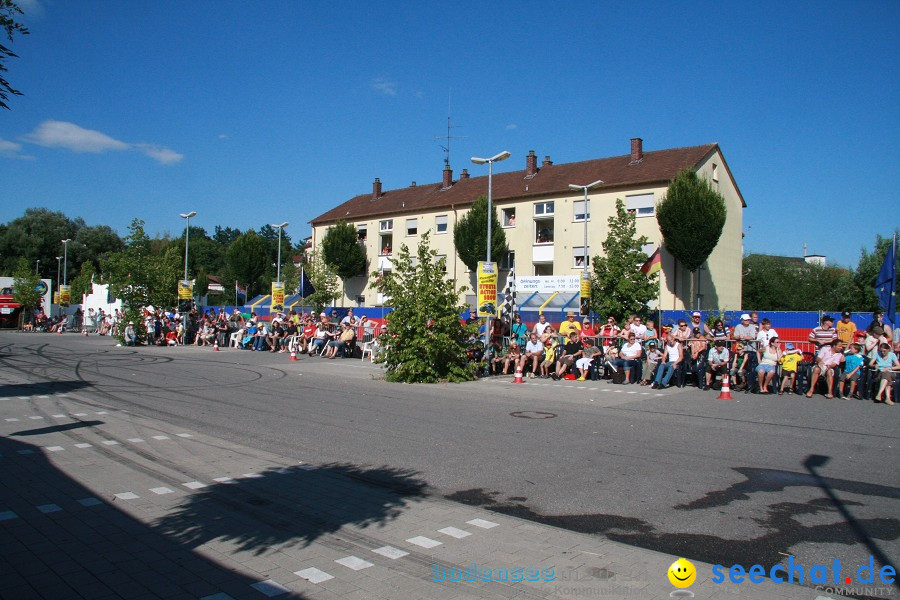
(658, 166)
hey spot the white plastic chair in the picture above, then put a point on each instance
(367, 343)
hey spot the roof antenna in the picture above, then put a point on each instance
(448, 137)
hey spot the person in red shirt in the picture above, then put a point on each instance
(587, 330)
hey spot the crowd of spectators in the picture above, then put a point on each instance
(835, 360)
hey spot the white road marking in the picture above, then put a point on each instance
(194, 485)
(90, 502)
(270, 588)
(83, 445)
(49, 508)
(135, 440)
(162, 490)
(127, 496)
(313, 575)
(224, 480)
(54, 448)
(483, 523)
(8, 515)
(454, 532)
(423, 541)
(391, 552)
(110, 443)
(161, 437)
(355, 563)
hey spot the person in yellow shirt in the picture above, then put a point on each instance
(846, 328)
(789, 361)
(569, 325)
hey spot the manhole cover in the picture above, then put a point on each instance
(532, 414)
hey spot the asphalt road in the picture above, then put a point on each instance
(747, 481)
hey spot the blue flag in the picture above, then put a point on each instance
(886, 284)
(306, 286)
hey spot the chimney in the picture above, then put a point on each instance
(376, 189)
(413, 184)
(547, 162)
(448, 177)
(531, 164)
(464, 174)
(637, 149)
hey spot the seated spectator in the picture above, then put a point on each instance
(534, 352)
(307, 335)
(571, 351)
(551, 346)
(654, 356)
(249, 335)
(588, 353)
(261, 343)
(513, 355)
(320, 338)
(877, 333)
(885, 364)
(673, 356)
(629, 356)
(716, 362)
(740, 367)
(343, 343)
(274, 339)
(587, 330)
(130, 334)
(768, 356)
(171, 338)
(789, 361)
(495, 357)
(828, 360)
(608, 333)
(549, 334)
(541, 325)
(853, 362)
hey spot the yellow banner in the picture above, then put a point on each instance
(277, 296)
(585, 295)
(487, 289)
(64, 291)
(185, 289)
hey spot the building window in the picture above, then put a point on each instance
(641, 205)
(580, 211)
(508, 217)
(578, 257)
(543, 269)
(361, 232)
(440, 223)
(387, 225)
(715, 172)
(543, 231)
(508, 261)
(412, 227)
(543, 209)
(360, 301)
(442, 257)
(648, 249)
(387, 242)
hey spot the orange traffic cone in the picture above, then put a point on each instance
(293, 353)
(85, 334)
(216, 345)
(518, 378)
(725, 394)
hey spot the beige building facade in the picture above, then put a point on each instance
(544, 221)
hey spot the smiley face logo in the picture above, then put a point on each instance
(682, 573)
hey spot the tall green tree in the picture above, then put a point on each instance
(342, 251)
(868, 268)
(247, 261)
(81, 283)
(138, 278)
(779, 283)
(93, 243)
(470, 235)
(9, 12)
(37, 235)
(691, 217)
(25, 286)
(323, 279)
(618, 286)
(427, 341)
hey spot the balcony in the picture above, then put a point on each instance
(542, 253)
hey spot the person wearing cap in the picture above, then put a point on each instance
(587, 330)
(696, 321)
(828, 360)
(716, 362)
(745, 332)
(846, 328)
(825, 333)
(653, 358)
(130, 334)
(740, 367)
(570, 325)
(789, 361)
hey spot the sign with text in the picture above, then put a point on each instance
(547, 284)
(487, 289)
(277, 296)
(64, 294)
(585, 294)
(185, 289)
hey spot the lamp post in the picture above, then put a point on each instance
(490, 162)
(37, 267)
(585, 188)
(65, 244)
(187, 233)
(280, 227)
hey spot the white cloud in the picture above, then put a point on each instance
(512, 126)
(222, 136)
(10, 149)
(385, 86)
(61, 134)
(31, 8)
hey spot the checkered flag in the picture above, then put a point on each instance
(509, 296)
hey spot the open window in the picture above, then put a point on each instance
(641, 205)
(508, 217)
(578, 256)
(580, 212)
(440, 224)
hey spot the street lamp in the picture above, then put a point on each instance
(585, 188)
(187, 233)
(58, 258)
(490, 161)
(65, 244)
(37, 267)
(280, 227)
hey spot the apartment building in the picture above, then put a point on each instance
(544, 220)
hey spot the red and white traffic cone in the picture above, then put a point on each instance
(85, 333)
(216, 345)
(725, 394)
(293, 353)
(518, 377)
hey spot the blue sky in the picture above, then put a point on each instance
(264, 112)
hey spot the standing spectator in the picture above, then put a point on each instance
(846, 329)
(349, 318)
(608, 333)
(746, 333)
(519, 331)
(650, 334)
(877, 332)
(825, 333)
(765, 334)
(541, 325)
(719, 331)
(699, 345)
(570, 325)
(828, 360)
(697, 323)
(637, 328)
(587, 330)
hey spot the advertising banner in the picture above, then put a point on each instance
(585, 295)
(547, 284)
(487, 289)
(277, 296)
(64, 293)
(185, 289)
